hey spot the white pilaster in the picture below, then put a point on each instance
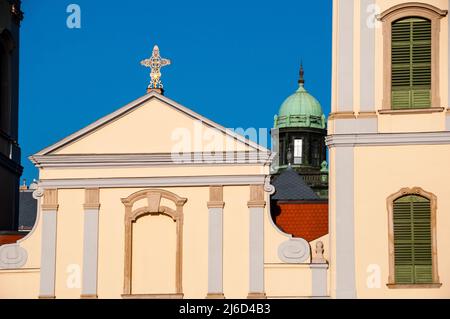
(215, 243)
(49, 211)
(367, 53)
(90, 244)
(319, 280)
(256, 207)
(344, 229)
(345, 55)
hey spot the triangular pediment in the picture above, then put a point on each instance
(152, 124)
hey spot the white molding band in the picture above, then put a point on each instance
(344, 216)
(48, 254)
(356, 126)
(319, 273)
(90, 253)
(152, 181)
(367, 54)
(215, 252)
(256, 262)
(388, 139)
(345, 55)
(139, 160)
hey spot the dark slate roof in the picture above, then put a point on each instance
(290, 186)
(27, 209)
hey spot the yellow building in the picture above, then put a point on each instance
(389, 136)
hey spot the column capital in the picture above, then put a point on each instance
(256, 204)
(256, 197)
(216, 197)
(216, 204)
(91, 206)
(92, 198)
(49, 207)
(50, 202)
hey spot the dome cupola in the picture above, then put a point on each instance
(301, 109)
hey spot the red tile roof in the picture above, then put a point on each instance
(10, 239)
(303, 220)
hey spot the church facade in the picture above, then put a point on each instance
(155, 213)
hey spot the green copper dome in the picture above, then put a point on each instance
(301, 109)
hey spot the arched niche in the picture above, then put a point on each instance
(153, 207)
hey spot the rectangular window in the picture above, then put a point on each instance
(298, 151)
(412, 241)
(411, 64)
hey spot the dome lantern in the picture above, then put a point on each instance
(300, 109)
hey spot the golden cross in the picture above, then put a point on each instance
(155, 63)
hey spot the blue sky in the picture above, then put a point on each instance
(232, 61)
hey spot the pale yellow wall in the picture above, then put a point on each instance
(432, 122)
(379, 173)
(288, 280)
(19, 284)
(111, 242)
(154, 255)
(136, 132)
(69, 243)
(236, 242)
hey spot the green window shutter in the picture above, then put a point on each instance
(412, 240)
(411, 64)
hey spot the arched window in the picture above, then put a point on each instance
(412, 239)
(411, 56)
(411, 64)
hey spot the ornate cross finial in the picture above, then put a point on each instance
(155, 63)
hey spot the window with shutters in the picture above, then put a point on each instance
(412, 221)
(412, 240)
(411, 64)
(411, 37)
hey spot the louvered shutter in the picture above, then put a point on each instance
(412, 240)
(411, 64)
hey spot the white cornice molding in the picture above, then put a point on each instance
(181, 181)
(146, 160)
(388, 139)
(133, 105)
